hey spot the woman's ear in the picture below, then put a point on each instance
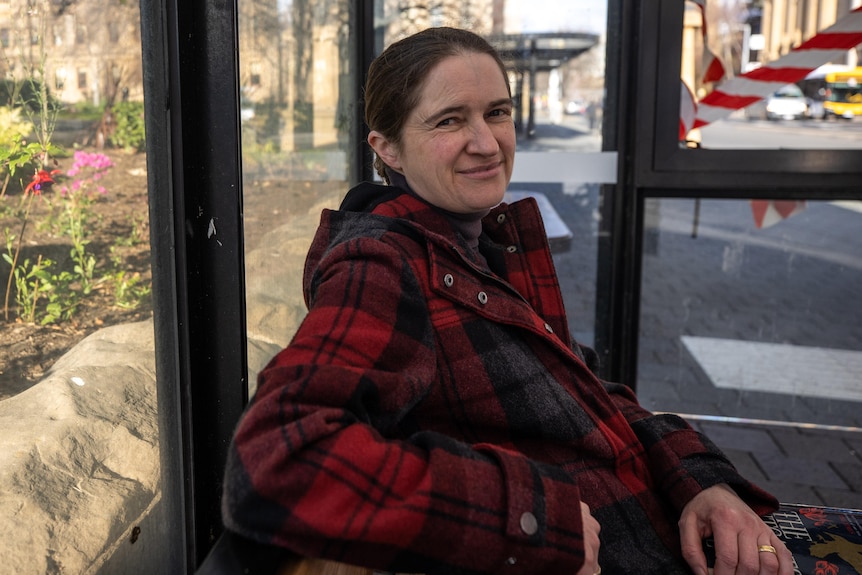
(387, 151)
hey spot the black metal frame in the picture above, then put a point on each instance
(770, 173)
(194, 168)
(190, 55)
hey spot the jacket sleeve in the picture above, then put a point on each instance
(683, 460)
(325, 461)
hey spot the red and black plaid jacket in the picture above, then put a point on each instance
(432, 413)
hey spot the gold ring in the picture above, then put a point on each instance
(766, 549)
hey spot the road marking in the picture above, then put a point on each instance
(852, 205)
(779, 368)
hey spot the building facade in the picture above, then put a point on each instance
(86, 52)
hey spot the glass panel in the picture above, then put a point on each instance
(296, 96)
(762, 79)
(749, 309)
(297, 100)
(79, 460)
(556, 58)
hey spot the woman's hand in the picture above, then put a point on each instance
(591, 529)
(738, 532)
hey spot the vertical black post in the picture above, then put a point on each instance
(531, 106)
(362, 36)
(196, 194)
(619, 253)
(156, 27)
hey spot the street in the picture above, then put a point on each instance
(739, 133)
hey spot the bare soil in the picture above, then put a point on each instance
(120, 221)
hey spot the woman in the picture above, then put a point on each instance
(432, 413)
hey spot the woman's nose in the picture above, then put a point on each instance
(482, 139)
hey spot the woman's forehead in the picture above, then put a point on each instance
(469, 75)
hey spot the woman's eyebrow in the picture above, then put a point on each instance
(502, 102)
(433, 118)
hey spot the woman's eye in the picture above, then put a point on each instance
(446, 122)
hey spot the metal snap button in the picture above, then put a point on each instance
(483, 298)
(512, 249)
(529, 525)
(448, 280)
(548, 328)
(501, 218)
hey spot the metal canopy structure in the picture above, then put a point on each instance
(531, 54)
(541, 52)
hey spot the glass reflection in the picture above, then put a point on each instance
(297, 101)
(748, 310)
(758, 76)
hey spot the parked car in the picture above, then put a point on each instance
(787, 103)
(576, 107)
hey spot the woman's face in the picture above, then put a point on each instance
(457, 147)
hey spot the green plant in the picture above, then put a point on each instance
(72, 216)
(36, 282)
(32, 94)
(11, 124)
(28, 285)
(76, 200)
(129, 126)
(40, 108)
(15, 152)
(41, 179)
(138, 233)
(129, 290)
(25, 93)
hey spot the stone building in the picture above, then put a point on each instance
(786, 24)
(749, 33)
(86, 52)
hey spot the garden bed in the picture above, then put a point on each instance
(117, 232)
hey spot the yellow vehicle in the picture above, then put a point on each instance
(843, 94)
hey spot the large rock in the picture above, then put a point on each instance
(274, 302)
(80, 463)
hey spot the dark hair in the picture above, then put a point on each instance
(396, 77)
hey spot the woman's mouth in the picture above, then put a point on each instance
(485, 170)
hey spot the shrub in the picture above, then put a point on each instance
(11, 124)
(129, 122)
(19, 93)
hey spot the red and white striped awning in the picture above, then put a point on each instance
(736, 93)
